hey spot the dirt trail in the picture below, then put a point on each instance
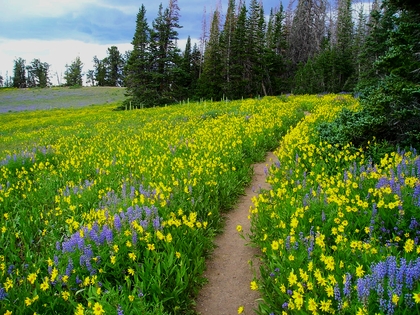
(228, 270)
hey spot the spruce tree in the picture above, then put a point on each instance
(211, 79)
(165, 53)
(344, 61)
(114, 63)
(38, 74)
(226, 47)
(19, 73)
(239, 71)
(256, 44)
(73, 74)
(138, 69)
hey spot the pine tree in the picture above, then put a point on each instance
(165, 53)
(38, 74)
(138, 69)
(344, 61)
(256, 43)
(19, 73)
(275, 56)
(114, 63)
(226, 46)
(100, 71)
(240, 60)
(211, 79)
(73, 74)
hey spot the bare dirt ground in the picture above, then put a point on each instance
(228, 270)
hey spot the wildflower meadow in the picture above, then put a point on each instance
(339, 230)
(114, 212)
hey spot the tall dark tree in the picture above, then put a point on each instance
(275, 56)
(138, 70)
(165, 53)
(115, 65)
(19, 73)
(211, 79)
(90, 77)
(100, 71)
(226, 39)
(256, 43)
(73, 74)
(240, 58)
(38, 74)
(187, 76)
(344, 62)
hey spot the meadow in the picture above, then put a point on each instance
(339, 230)
(114, 212)
(16, 100)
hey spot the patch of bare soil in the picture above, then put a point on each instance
(229, 270)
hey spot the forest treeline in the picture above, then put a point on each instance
(311, 46)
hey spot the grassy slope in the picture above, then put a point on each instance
(14, 100)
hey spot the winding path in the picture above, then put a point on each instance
(228, 270)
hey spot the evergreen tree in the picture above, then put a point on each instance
(38, 74)
(100, 71)
(19, 73)
(226, 37)
(275, 57)
(165, 53)
(138, 75)
(344, 61)
(211, 79)
(90, 77)
(256, 43)
(73, 74)
(114, 64)
(238, 71)
(187, 75)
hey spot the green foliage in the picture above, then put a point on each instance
(73, 73)
(19, 73)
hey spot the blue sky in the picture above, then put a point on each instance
(57, 31)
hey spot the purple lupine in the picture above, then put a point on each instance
(134, 237)
(337, 294)
(69, 267)
(3, 294)
(347, 286)
(106, 234)
(119, 310)
(287, 245)
(156, 223)
(363, 289)
(10, 269)
(117, 222)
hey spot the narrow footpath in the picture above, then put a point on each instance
(228, 270)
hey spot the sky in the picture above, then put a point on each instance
(58, 31)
